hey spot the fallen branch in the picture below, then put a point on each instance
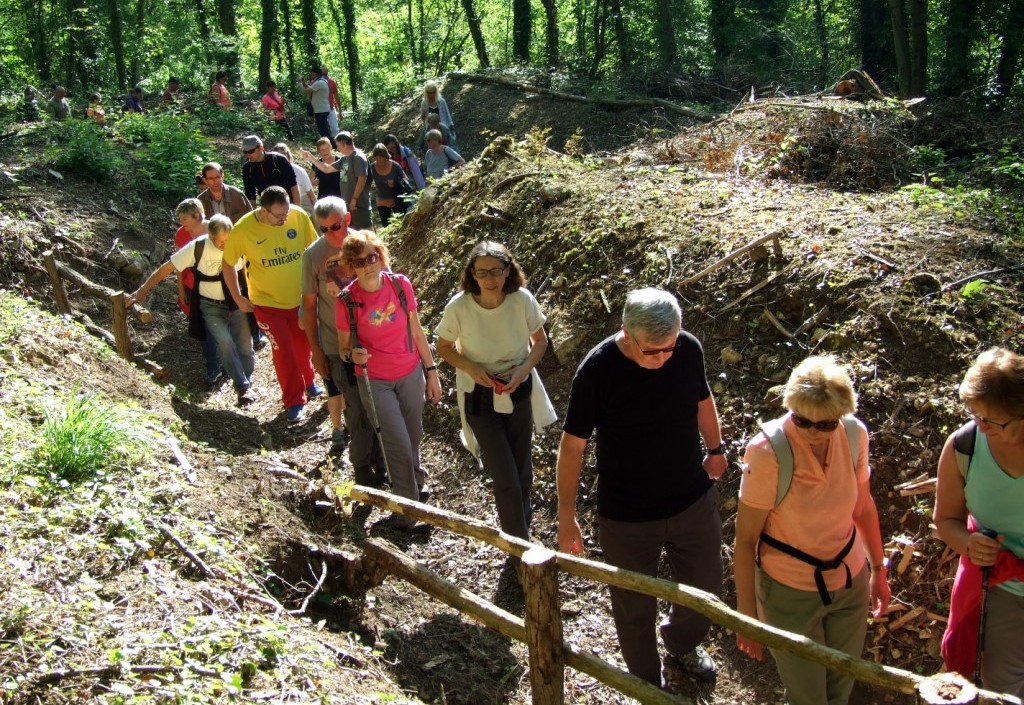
(505, 183)
(770, 317)
(113, 671)
(101, 292)
(313, 592)
(774, 235)
(750, 292)
(979, 275)
(186, 551)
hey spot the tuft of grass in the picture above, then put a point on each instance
(85, 438)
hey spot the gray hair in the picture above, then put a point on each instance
(653, 312)
(327, 206)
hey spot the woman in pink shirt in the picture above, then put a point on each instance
(274, 102)
(809, 559)
(219, 95)
(379, 330)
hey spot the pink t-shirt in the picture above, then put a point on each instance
(382, 327)
(816, 515)
(275, 104)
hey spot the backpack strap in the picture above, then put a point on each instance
(784, 452)
(963, 445)
(405, 306)
(353, 325)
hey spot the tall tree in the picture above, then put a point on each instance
(268, 27)
(347, 33)
(39, 46)
(289, 46)
(551, 35)
(117, 43)
(901, 43)
(204, 24)
(918, 47)
(1009, 55)
(667, 34)
(522, 29)
(621, 38)
(722, 23)
(309, 35)
(473, 19)
(140, 31)
(226, 16)
(961, 31)
(875, 39)
(821, 29)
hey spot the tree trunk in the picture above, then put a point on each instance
(267, 31)
(522, 29)
(289, 45)
(876, 43)
(140, 31)
(226, 15)
(625, 50)
(1009, 55)
(961, 31)
(723, 39)
(117, 44)
(410, 30)
(919, 48)
(473, 19)
(551, 12)
(600, 37)
(355, 78)
(667, 31)
(580, 13)
(204, 25)
(310, 34)
(901, 43)
(826, 54)
(35, 21)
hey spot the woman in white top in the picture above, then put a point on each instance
(492, 332)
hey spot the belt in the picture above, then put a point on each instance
(820, 566)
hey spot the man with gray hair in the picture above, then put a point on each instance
(645, 393)
(323, 276)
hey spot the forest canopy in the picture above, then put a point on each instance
(696, 50)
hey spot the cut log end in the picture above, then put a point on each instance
(946, 689)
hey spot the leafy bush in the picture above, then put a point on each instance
(85, 438)
(83, 147)
(173, 149)
(215, 121)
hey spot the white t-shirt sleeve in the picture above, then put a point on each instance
(185, 257)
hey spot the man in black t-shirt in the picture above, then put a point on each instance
(263, 169)
(644, 392)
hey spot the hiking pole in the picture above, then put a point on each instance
(984, 610)
(371, 412)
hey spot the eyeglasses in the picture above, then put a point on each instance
(278, 216)
(655, 351)
(333, 228)
(982, 421)
(826, 426)
(492, 273)
(360, 262)
(249, 151)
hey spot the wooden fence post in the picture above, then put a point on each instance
(119, 322)
(544, 626)
(58, 285)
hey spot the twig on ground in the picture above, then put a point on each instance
(313, 592)
(188, 553)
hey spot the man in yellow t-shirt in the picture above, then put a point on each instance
(272, 239)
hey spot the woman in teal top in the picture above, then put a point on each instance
(990, 488)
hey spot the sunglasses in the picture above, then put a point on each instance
(360, 262)
(249, 151)
(654, 351)
(493, 273)
(826, 426)
(333, 228)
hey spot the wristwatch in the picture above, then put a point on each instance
(719, 450)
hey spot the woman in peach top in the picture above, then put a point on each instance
(811, 563)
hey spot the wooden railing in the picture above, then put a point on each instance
(541, 629)
(120, 338)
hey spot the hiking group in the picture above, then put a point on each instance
(808, 554)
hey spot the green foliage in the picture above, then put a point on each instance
(233, 122)
(172, 149)
(84, 148)
(88, 436)
(1003, 166)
